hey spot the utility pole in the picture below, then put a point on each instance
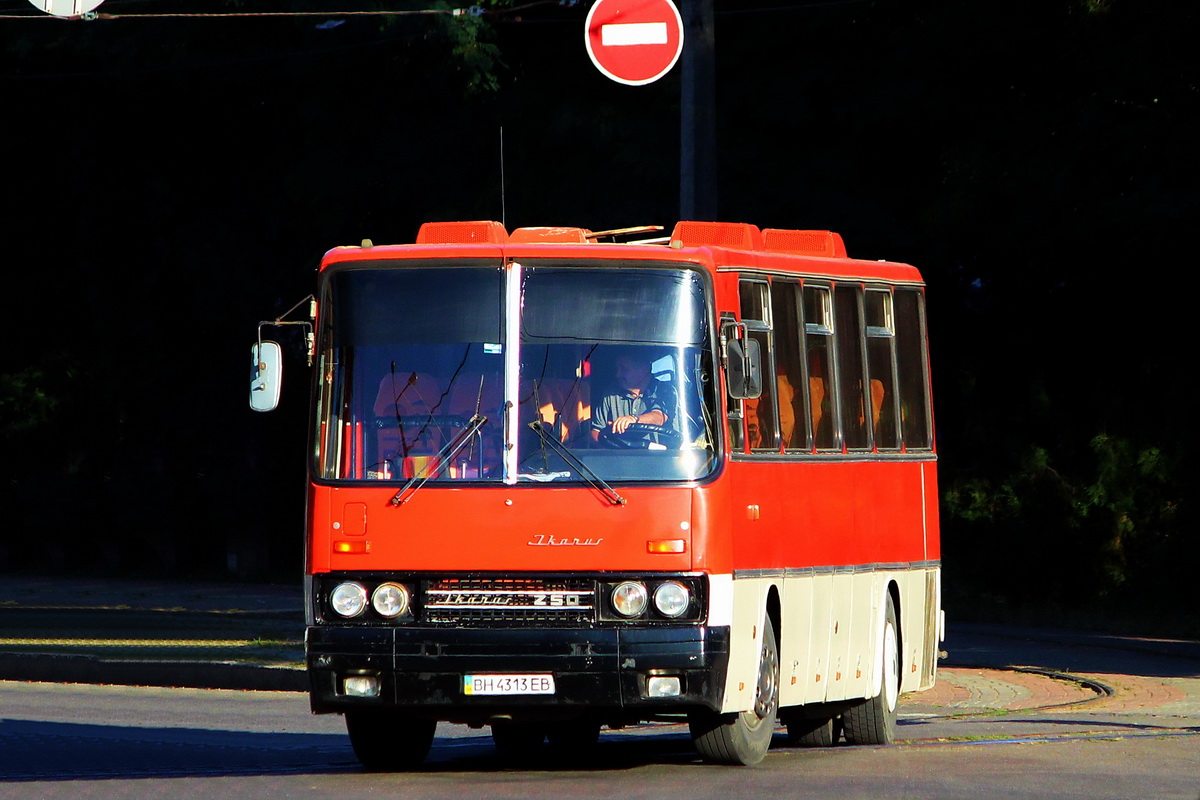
(697, 113)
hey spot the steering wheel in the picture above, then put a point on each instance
(639, 435)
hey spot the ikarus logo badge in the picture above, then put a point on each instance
(550, 540)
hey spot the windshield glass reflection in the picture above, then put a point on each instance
(615, 372)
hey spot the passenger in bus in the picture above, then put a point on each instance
(640, 399)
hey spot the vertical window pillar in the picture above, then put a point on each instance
(512, 367)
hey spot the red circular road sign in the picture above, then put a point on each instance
(634, 41)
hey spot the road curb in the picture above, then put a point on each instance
(177, 674)
(1102, 690)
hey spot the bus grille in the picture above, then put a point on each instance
(529, 601)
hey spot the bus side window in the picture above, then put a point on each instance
(881, 366)
(856, 428)
(760, 413)
(913, 372)
(818, 345)
(789, 365)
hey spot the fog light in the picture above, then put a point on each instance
(663, 686)
(361, 686)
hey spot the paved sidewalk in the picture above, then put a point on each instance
(152, 632)
(20, 591)
(1124, 674)
(961, 690)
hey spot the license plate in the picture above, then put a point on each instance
(508, 684)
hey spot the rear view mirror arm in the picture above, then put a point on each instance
(309, 338)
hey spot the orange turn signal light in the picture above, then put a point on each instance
(666, 546)
(352, 547)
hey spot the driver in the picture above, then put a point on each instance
(642, 399)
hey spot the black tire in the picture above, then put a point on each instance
(573, 742)
(874, 721)
(521, 741)
(814, 732)
(743, 738)
(389, 741)
(576, 736)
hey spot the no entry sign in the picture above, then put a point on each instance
(634, 41)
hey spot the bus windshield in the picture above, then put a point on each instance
(545, 372)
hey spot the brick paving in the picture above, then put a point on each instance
(1189, 704)
(1134, 693)
(964, 690)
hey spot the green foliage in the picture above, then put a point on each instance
(1112, 530)
(473, 50)
(26, 402)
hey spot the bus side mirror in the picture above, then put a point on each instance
(744, 374)
(266, 375)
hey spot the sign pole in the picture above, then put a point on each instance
(697, 114)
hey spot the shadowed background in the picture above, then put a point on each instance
(171, 181)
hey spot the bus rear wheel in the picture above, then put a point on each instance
(822, 732)
(743, 738)
(389, 741)
(874, 721)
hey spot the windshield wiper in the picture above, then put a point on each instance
(587, 472)
(443, 456)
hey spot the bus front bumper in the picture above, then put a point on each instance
(596, 670)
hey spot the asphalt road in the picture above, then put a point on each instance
(1016, 713)
(981, 733)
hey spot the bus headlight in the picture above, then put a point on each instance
(672, 599)
(349, 599)
(629, 599)
(390, 600)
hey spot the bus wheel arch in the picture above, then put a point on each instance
(744, 738)
(774, 613)
(893, 593)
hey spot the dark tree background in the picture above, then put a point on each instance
(171, 181)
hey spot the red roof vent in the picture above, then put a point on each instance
(808, 243)
(554, 235)
(478, 232)
(733, 235)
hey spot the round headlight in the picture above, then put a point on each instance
(390, 600)
(671, 599)
(629, 599)
(349, 599)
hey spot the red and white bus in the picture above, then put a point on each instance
(563, 479)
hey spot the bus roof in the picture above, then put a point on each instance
(718, 246)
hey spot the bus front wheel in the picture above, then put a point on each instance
(874, 721)
(518, 741)
(743, 738)
(389, 741)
